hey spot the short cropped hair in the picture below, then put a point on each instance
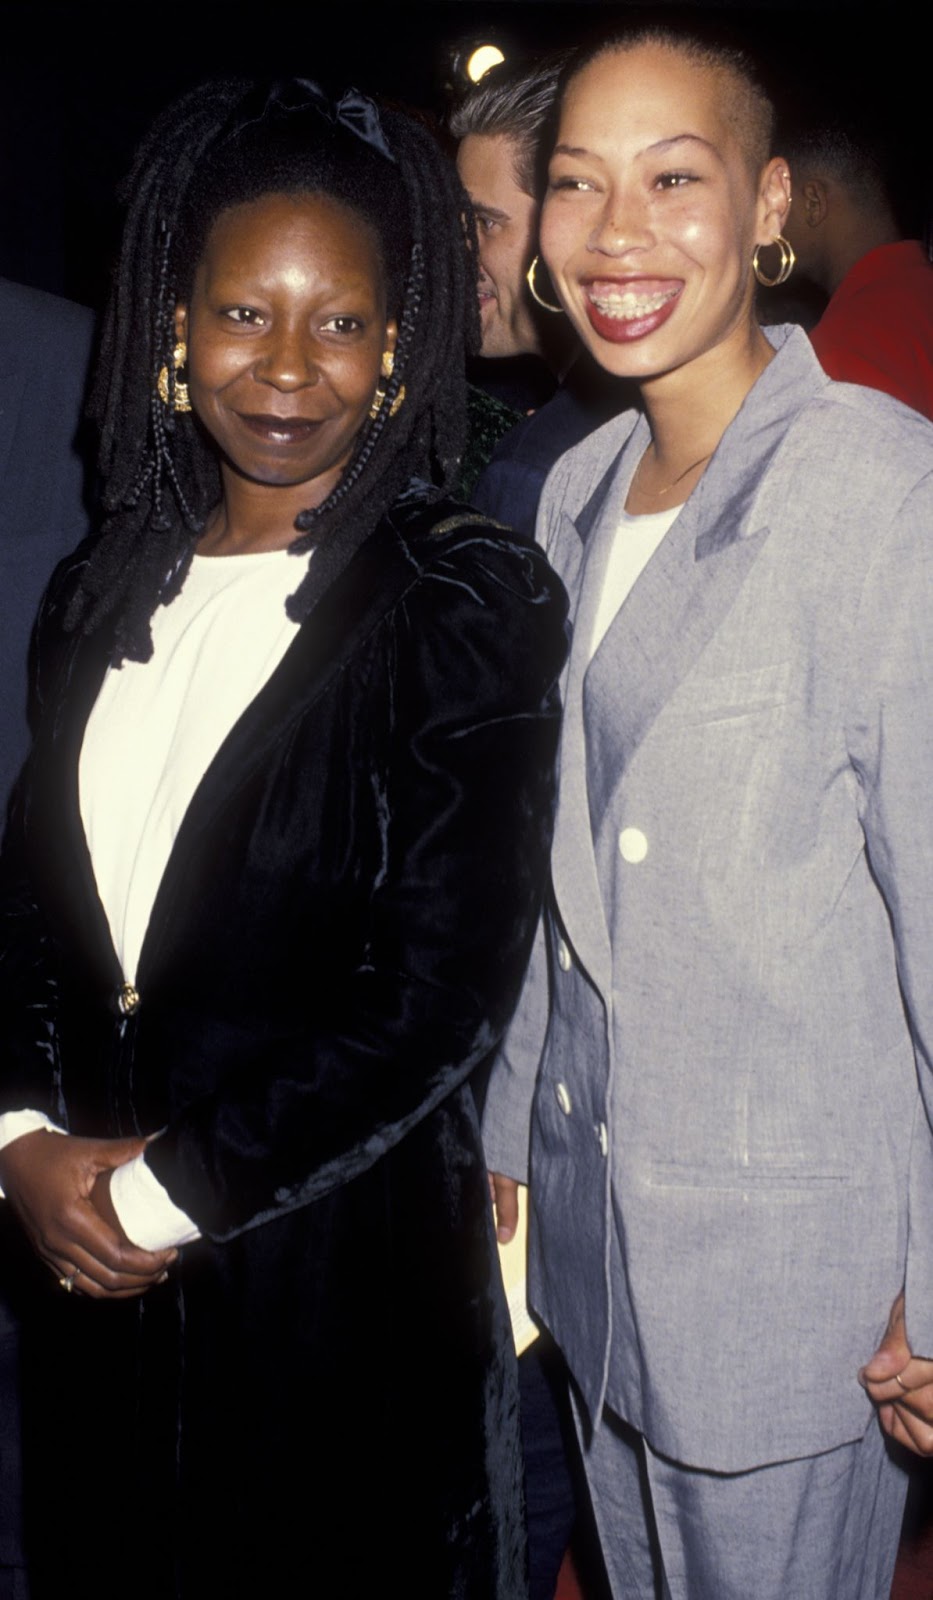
(750, 111)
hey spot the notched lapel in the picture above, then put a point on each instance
(661, 630)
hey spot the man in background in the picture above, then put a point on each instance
(530, 357)
(878, 327)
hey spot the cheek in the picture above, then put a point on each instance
(565, 230)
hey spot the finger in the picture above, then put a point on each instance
(83, 1235)
(85, 1276)
(893, 1353)
(911, 1431)
(505, 1195)
(913, 1385)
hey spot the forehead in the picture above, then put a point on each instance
(311, 227)
(486, 163)
(635, 99)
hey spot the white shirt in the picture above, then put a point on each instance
(636, 540)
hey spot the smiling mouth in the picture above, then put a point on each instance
(623, 312)
(280, 430)
(629, 305)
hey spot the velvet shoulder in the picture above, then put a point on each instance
(487, 590)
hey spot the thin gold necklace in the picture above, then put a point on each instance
(655, 494)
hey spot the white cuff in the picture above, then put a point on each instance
(13, 1124)
(147, 1216)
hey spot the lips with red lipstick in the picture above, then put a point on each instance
(626, 309)
(280, 430)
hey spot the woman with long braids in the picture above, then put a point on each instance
(268, 894)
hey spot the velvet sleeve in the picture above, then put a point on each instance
(466, 678)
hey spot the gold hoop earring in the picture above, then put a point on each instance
(784, 270)
(386, 369)
(530, 280)
(182, 400)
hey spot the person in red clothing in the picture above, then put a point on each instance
(878, 327)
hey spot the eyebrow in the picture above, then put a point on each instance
(489, 211)
(576, 151)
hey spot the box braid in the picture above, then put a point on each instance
(222, 145)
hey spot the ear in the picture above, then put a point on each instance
(391, 334)
(181, 324)
(774, 195)
(814, 199)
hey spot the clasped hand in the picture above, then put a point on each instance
(901, 1386)
(59, 1187)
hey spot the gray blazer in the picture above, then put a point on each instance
(731, 1160)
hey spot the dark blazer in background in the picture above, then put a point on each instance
(45, 348)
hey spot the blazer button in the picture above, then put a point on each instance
(602, 1135)
(563, 956)
(563, 1099)
(633, 846)
(127, 1000)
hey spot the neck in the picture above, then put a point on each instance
(855, 242)
(252, 517)
(688, 411)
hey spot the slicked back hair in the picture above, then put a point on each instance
(222, 145)
(514, 103)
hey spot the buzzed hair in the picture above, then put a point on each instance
(515, 103)
(857, 158)
(749, 112)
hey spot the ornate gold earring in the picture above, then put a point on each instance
(386, 370)
(784, 270)
(530, 280)
(182, 400)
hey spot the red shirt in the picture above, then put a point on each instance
(878, 327)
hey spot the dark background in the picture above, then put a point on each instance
(80, 82)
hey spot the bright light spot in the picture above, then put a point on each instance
(488, 55)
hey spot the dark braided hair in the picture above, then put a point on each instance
(223, 145)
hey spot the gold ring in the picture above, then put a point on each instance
(68, 1283)
(900, 1383)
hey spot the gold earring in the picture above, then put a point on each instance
(530, 280)
(386, 369)
(182, 400)
(784, 270)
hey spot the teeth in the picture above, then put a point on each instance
(628, 305)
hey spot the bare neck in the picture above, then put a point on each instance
(688, 412)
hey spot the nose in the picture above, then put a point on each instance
(288, 359)
(624, 223)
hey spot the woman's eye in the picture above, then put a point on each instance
(577, 185)
(342, 325)
(246, 314)
(674, 180)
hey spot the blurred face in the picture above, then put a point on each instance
(652, 212)
(285, 329)
(507, 220)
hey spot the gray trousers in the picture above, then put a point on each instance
(822, 1528)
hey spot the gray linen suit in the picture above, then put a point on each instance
(731, 1155)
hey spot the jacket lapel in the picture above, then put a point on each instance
(354, 604)
(63, 863)
(672, 612)
(692, 581)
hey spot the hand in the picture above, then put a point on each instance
(503, 1193)
(901, 1386)
(53, 1183)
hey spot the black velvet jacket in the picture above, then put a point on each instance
(321, 1398)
